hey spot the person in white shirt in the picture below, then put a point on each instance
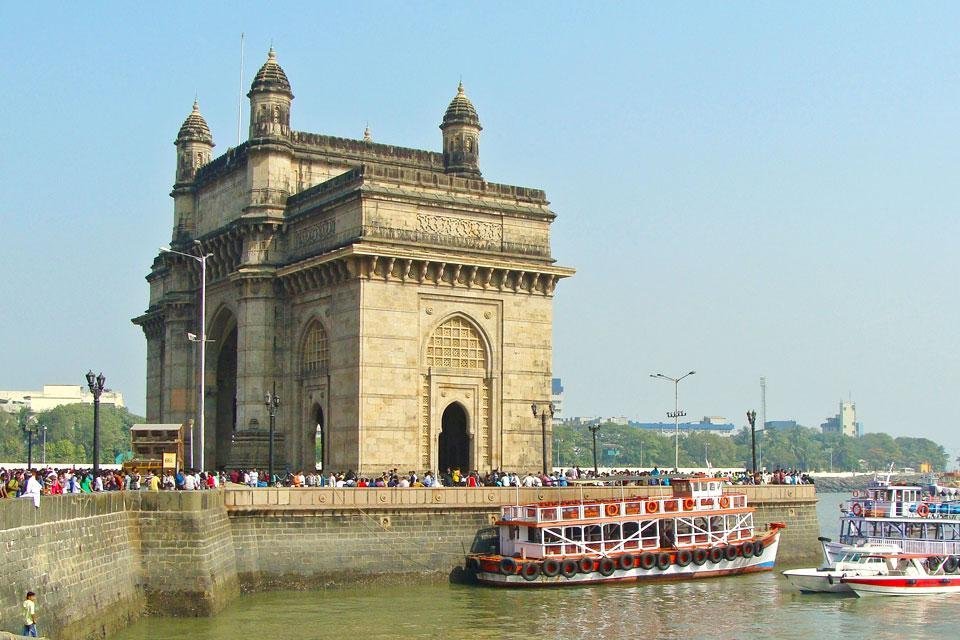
(34, 488)
(189, 482)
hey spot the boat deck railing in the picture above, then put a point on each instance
(871, 508)
(621, 508)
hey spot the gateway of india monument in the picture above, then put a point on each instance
(399, 304)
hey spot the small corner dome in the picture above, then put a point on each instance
(271, 77)
(461, 111)
(195, 128)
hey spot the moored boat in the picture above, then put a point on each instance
(907, 516)
(860, 560)
(698, 531)
(907, 574)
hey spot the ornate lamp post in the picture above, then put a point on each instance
(593, 430)
(272, 400)
(202, 259)
(752, 418)
(543, 428)
(676, 413)
(30, 433)
(96, 388)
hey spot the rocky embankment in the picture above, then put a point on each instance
(846, 484)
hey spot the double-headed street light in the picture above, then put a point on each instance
(202, 259)
(272, 400)
(543, 413)
(675, 414)
(593, 429)
(95, 383)
(30, 433)
(752, 419)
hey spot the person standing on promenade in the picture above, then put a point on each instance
(34, 488)
(30, 615)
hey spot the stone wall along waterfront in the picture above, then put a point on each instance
(98, 562)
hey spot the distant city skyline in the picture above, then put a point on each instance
(745, 190)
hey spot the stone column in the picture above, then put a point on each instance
(179, 385)
(256, 331)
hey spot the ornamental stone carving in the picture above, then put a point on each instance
(462, 227)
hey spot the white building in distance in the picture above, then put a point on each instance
(54, 395)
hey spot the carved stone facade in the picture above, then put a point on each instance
(400, 304)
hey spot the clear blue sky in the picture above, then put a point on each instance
(745, 189)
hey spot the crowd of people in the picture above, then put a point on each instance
(49, 481)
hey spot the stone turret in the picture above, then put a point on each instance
(461, 137)
(194, 145)
(270, 97)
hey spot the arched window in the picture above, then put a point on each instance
(456, 344)
(316, 352)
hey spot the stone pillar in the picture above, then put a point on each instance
(255, 361)
(153, 330)
(179, 386)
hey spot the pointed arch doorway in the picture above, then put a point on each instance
(321, 437)
(453, 443)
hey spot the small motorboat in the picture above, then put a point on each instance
(859, 560)
(908, 575)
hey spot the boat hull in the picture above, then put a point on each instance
(710, 569)
(865, 586)
(817, 581)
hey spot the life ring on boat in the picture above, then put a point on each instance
(684, 557)
(568, 568)
(652, 506)
(612, 509)
(700, 557)
(663, 561)
(647, 560)
(688, 504)
(551, 567)
(508, 566)
(857, 509)
(923, 510)
(530, 571)
(586, 565)
(730, 552)
(724, 502)
(856, 494)
(607, 566)
(626, 561)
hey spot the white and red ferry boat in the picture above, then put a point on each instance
(907, 575)
(697, 532)
(907, 516)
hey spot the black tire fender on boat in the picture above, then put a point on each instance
(716, 555)
(568, 568)
(647, 561)
(758, 547)
(730, 552)
(586, 565)
(700, 557)
(626, 561)
(951, 564)
(663, 561)
(746, 550)
(830, 578)
(550, 567)
(530, 571)
(684, 557)
(508, 566)
(473, 564)
(607, 566)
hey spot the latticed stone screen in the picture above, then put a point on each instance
(457, 345)
(316, 352)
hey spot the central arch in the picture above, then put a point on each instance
(320, 442)
(222, 386)
(453, 445)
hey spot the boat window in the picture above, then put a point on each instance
(592, 533)
(533, 534)
(630, 529)
(611, 532)
(514, 532)
(550, 536)
(573, 533)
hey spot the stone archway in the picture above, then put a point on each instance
(223, 380)
(453, 443)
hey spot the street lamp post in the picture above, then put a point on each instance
(202, 259)
(830, 451)
(30, 433)
(675, 414)
(593, 430)
(96, 388)
(272, 400)
(548, 409)
(752, 418)
(44, 448)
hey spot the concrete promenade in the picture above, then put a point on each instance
(98, 562)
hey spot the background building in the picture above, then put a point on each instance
(401, 304)
(844, 422)
(556, 396)
(54, 395)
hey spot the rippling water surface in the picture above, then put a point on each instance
(752, 606)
